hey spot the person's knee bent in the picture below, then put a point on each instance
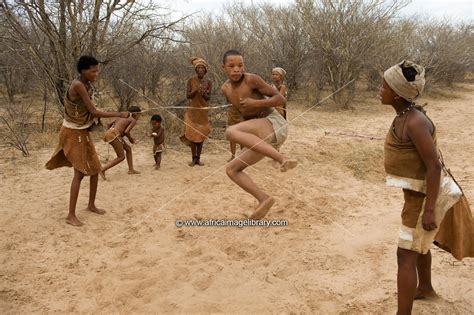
(231, 170)
(230, 133)
(120, 157)
(406, 258)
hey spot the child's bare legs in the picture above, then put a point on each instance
(119, 150)
(423, 266)
(235, 171)
(128, 153)
(406, 280)
(74, 193)
(250, 134)
(157, 157)
(75, 186)
(92, 193)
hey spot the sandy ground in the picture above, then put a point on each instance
(337, 256)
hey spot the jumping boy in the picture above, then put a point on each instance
(158, 134)
(262, 130)
(119, 128)
(75, 147)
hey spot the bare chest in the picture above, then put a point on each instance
(235, 94)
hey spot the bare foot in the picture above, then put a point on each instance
(157, 167)
(193, 162)
(425, 294)
(262, 209)
(199, 163)
(95, 210)
(102, 175)
(231, 158)
(288, 165)
(74, 221)
(132, 172)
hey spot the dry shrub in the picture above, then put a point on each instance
(346, 36)
(322, 44)
(365, 160)
(16, 127)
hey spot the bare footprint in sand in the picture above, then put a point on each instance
(288, 165)
(263, 209)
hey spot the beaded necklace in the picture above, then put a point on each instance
(406, 110)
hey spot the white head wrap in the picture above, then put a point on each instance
(280, 71)
(409, 90)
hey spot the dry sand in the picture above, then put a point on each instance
(337, 256)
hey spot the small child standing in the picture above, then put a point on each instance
(119, 128)
(158, 134)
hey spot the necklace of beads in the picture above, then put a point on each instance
(406, 110)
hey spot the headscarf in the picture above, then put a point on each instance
(196, 61)
(280, 71)
(409, 90)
